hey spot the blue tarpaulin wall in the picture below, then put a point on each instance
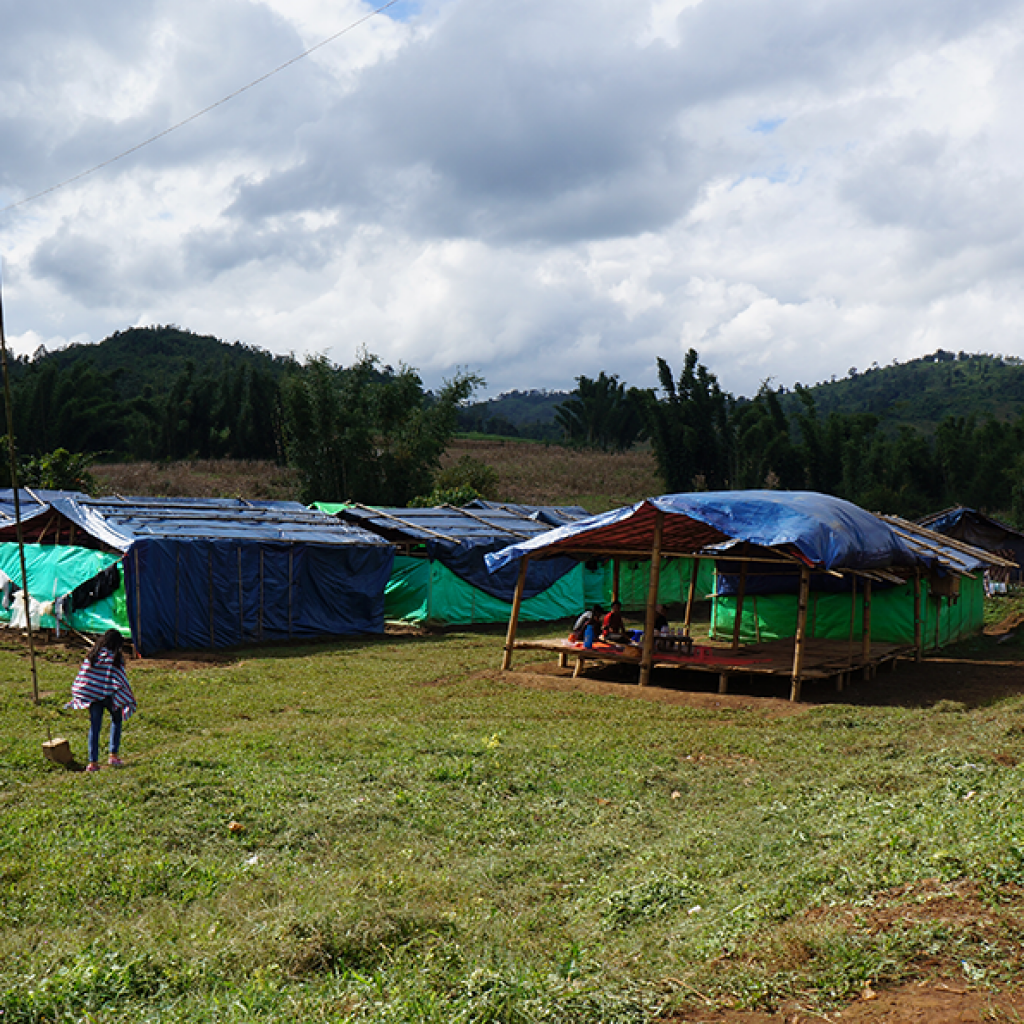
(220, 593)
(466, 560)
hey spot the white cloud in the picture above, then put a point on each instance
(531, 191)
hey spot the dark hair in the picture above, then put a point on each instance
(111, 641)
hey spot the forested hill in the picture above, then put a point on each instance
(154, 357)
(923, 392)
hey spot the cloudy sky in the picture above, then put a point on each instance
(531, 191)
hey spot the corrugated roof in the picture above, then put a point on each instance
(117, 521)
(444, 523)
(953, 555)
(553, 515)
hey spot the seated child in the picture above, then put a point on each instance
(613, 628)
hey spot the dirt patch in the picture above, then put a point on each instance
(668, 688)
(940, 990)
(923, 1002)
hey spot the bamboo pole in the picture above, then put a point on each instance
(738, 621)
(647, 652)
(17, 501)
(800, 642)
(918, 635)
(691, 593)
(513, 619)
(865, 640)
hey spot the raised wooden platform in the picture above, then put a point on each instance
(823, 659)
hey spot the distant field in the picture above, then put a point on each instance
(529, 472)
(540, 474)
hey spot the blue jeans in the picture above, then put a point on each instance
(96, 709)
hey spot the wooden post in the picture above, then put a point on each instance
(615, 579)
(17, 498)
(647, 652)
(691, 593)
(738, 622)
(918, 635)
(801, 634)
(513, 619)
(865, 640)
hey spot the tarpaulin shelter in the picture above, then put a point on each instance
(439, 574)
(981, 531)
(202, 573)
(792, 536)
(949, 608)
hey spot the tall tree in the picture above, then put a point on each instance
(602, 413)
(367, 433)
(765, 455)
(689, 427)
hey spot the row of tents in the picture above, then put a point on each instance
(186, 574)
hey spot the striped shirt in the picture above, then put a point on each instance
(102, 680)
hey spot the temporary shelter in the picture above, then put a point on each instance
(781, 546)
(201, 573)
(439, 574)
(981, 531)
(950, 606)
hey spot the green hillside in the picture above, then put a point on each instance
(923, 392)
(154, 357)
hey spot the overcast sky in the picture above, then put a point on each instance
(531, 191)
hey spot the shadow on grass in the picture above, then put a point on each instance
(974, 674)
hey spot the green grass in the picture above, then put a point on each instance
(423, 840)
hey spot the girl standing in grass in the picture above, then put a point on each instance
(102, 684)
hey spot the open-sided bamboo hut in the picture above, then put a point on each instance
(795, 546)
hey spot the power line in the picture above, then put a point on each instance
(198, 113)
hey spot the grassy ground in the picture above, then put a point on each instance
(418, 838)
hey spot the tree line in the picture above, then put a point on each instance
(703, 438)
(367, 432)
(372, 433)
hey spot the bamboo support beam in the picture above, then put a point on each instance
(918, 634)
(865, 639)
(513, 619)
(691, 593)
(800, 642)
(738, 621)
(647, 652)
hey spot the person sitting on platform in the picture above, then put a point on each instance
(612, 628)
(591, 617)
(660, 618)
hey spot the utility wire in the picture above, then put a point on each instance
(199, 113)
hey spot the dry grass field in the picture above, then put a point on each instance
(528, 472)
(539, 474)
(212, 478)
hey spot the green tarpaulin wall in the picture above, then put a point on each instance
(771, 616)
(55, 570)
(421, 590)
(634, 576)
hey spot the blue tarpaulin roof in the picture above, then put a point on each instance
(460, 538)
(218, 572)
(818, 529)
(117, 522)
